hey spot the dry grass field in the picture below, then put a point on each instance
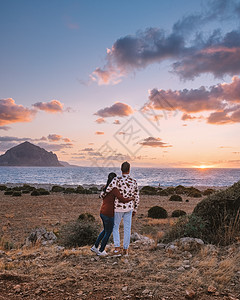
(147, 273)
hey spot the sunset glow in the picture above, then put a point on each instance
(158, 97)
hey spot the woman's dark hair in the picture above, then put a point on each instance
(110, 178)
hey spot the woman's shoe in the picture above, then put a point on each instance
(103, 253)
(94, 249)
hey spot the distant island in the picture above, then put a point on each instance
(29, 155)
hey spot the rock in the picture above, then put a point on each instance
(146, 292)
(41, 235)
(17, 288)
(190, 294)
(2, 252)
(211, 289)
(186, 244)
(161, 246)
(135, 237)
(125, 288)
(186, 266)
(59, 248)
(181, 269)
(186, 262)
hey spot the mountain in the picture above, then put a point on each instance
(29, 155)
(66, 164)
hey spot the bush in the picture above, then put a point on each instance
(43, 191)
(35, 193)
(3, 187)
(78, 233)
(157, 212)
(16, 194)
(25, 192)
(57, 189)
(8, 192)
(208, 192)
(86, 217)
(69, 190)
(163, 193)
(27, 187)
(170, 191)
(178, 213)
(180, 189)
(221, 212)
(175, 198)
(17, 188)
(193, 192)
(186, 226)
(148, 190)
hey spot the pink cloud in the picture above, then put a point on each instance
(117, 122)
(117, 109)
(54, 137)
(53, 106)
(10, 112)
(154, 142)
(100, 121)
(99, 132)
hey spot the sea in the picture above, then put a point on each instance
(98, 176)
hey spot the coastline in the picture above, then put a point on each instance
(48, 186)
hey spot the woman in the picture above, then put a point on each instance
(107, 216)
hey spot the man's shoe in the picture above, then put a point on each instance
(125, 252)
(94, 249)
(103, 253)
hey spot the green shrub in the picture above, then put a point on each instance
(148, 190)
(8, 192)
(186, 226)
(170, 191)
(69, 191)
(208, 192)
(180, 189)
(157, 212)
(35, 193)
(16, 194)
(78, 233)
(175, 198)
(3, 187)
(25, 192)
(86, 217)
(27, 187)
(57, 189)
(163, 193)
(178, 213)
(43, 191)
(17, 188)
(193, 192)
(80, 190)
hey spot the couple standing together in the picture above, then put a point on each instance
(120, 201)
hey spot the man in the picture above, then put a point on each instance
(127, 186)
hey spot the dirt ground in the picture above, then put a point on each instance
(147, 273)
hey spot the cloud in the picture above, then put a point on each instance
(5, 128)
(154, 142)
(87, 149)
(54, 147)
(99, 132)
(226, 116)
(117, 122)
(54, 137)
(190, 50)
(53, 106)
(100, 121)
(222, 99)
(117, 109)
(10, 112)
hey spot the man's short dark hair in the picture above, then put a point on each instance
(125, 167)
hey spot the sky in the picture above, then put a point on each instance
(155, 82)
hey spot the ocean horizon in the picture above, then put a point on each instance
(218, 177)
